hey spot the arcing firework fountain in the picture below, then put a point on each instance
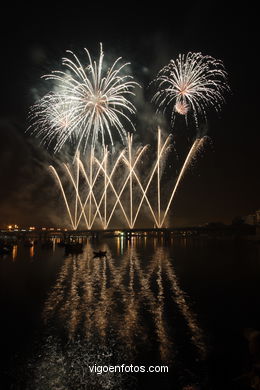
(128, 193)
(84, 108)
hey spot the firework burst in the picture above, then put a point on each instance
(191, 84)
(86, 104)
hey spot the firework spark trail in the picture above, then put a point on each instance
(109, 181)
(130, 143)
(191, 155)
(193, 83)
(130, 161)
(158, 176)
(159, 156)
(90, 183)
(75, 184)
(117, 199)
(145, 197)
(105, 190)
(131, 169)
(91, 192)
(87, 102)
(107, 184)
(64, 195)
(78, 199)
(77, 187)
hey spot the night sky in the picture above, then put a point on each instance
(224, 182)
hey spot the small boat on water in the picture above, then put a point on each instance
(100, 254)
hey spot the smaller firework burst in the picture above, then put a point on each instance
(191, 84)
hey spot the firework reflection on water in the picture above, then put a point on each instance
(107, 311)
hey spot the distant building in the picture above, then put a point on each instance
(253, 219)
(250, 219)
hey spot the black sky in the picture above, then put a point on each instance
(224, 182)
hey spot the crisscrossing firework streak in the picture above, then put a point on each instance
(100, 197)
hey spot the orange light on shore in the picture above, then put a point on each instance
(12, 227)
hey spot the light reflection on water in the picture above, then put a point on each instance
(128, 308)
(109, 309)
(14, 252)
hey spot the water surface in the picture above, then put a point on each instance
(185, 304)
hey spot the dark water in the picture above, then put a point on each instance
(188, 304)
